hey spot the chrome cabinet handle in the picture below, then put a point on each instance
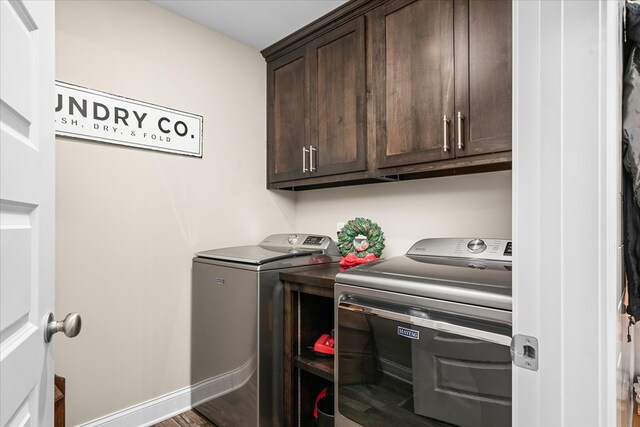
(71, 326)
(460, 130)
(304, 159)
(437, 325)
(445, 131)
(312, 150)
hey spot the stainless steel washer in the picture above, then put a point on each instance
(424, 339)
(237, 326)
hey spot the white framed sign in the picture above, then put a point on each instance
(99, 116)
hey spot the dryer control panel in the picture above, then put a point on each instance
(475, 248)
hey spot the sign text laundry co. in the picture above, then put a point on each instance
(99, 116)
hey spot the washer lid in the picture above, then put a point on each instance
(254, 254)
(275, 247)
(471, 281)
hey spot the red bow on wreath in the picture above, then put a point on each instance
(351, 259)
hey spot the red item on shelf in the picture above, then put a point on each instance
(324, 346)
(322, 394)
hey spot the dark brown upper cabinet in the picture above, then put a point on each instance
(317, 108)
(287, 115)
(442, 82)
(337, 102)
(483, 76)
(391, 90)
(413, 81)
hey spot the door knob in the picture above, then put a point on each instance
(71, 326)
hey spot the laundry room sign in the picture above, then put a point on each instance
(99, 116)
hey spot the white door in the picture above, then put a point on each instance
(27, 182)
(566, 209)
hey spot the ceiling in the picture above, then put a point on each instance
(257, 23)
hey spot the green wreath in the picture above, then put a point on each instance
(351, 242)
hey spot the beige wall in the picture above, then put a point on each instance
(461, 206)
(130, 220)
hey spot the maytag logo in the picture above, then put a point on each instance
(409, 333)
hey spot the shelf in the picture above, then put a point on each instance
(308, 314)
(320, 366)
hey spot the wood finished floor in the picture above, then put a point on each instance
(186, 419)
(235, 409)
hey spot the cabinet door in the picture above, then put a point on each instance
(337, 108)
(287, 116)
(413, 81)
(483, 76)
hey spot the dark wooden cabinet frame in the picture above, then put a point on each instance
(474, 80)
(308, 313)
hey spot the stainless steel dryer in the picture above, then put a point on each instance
(424, 339)
(237, 326)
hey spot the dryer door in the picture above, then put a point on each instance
(403, 365)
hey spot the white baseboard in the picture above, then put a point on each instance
(178, 401)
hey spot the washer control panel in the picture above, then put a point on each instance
(314, 240)
(490, 249)
(299, 242)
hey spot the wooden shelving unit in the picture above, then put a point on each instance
(308, 313)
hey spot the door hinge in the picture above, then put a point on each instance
(524, 352)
